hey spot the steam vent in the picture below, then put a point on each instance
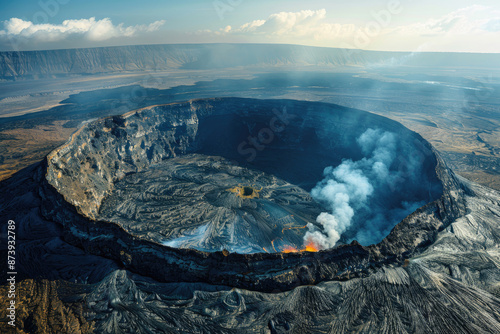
(182, 185)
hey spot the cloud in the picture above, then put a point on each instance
(465, 29)
(468, 20)
(303, 24)
(88, 29)
(297, 23)
(289, 26)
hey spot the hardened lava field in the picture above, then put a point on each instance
(209, 203)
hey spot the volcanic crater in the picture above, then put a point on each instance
(219, 190)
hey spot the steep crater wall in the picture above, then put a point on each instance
(307, 137)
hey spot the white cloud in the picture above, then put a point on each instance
(286, 22)
(252, 26)
(89, 29)
(469, 29)
(306, 23)
(468, 20)
(465, 29)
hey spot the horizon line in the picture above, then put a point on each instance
(255, 44)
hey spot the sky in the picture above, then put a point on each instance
(391, 25)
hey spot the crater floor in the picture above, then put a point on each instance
(210, 203)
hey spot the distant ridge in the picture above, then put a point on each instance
(35, 64)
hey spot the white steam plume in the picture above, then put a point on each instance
(347, 190)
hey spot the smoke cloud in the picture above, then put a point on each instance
(360, 194)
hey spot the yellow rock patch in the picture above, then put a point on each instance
(245, 191)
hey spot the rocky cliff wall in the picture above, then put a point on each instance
(85, 61)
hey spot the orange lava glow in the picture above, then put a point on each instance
(311, 247)
(308, 246)
(290, 249)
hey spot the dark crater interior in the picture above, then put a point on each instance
(234, 174)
